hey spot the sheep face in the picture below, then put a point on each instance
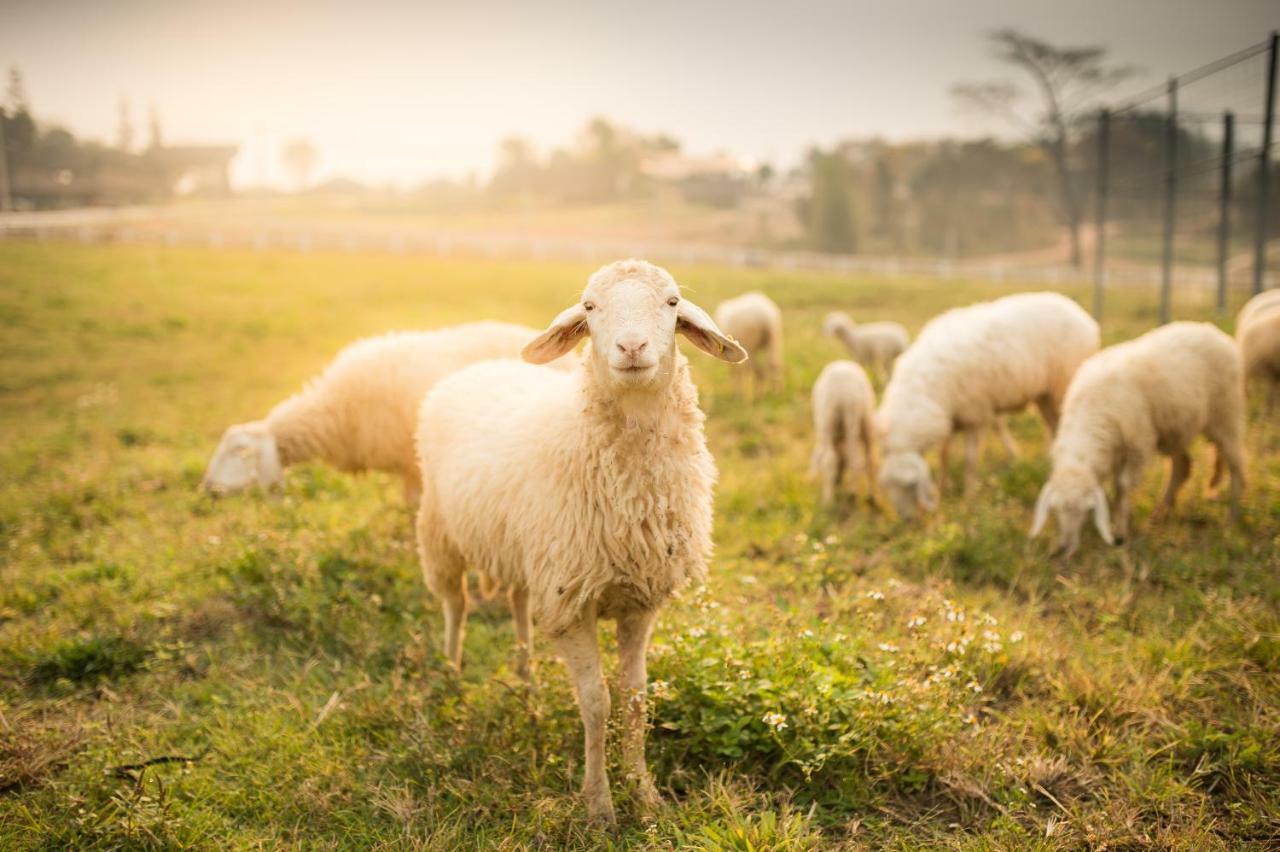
(246, 456)
(905, 481)
(632, 311)
(1071, 494)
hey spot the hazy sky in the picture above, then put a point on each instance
(402, 91)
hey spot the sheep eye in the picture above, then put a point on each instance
(588, 306)
(673, 301)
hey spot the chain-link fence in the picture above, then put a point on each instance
(1183, 185)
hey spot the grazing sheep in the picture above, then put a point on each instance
(844, 408)
(360, 413)
(1258, 334)
(756, 323)
(1130, 401)
(875, 345)
(586, 494)
(968, 366)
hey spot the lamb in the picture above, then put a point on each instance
(843, 410)
(360, 413)
(754, 320)
(586, 494)
(968, 366)
(875, 345)
(1258, 334)
(1152, 394)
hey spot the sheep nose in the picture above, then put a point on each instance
(632, 347)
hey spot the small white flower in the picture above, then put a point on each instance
(988, 619)
(800, 538)
(777, 721)
(831, 539)
(215, 539)
(808, 634)
(888, 648)
(916, 622)
(875, 595)
(1015, 637)
(749, 581)
(697, 632)
(660, 690)
(974, 687)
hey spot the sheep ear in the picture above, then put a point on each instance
(927, 493)
(1042, 510)
(561, 336)
(694, 323)
(1102, 515)
(270, 471)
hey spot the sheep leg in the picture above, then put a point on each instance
(1179, 471)
(869, 457)
(453, 597)
(518, 596)
(1006, 438)
(634, 630)
(824, 459)
(1048, 409)
(1229, 452)
(580, 649)
(972, 448)
(944, 465)
(1126, 480)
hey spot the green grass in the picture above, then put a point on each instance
(942, 685)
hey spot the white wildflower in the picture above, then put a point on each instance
(888, 648)
(777, 721)
(875, 595)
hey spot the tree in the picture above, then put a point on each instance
(299, 157)
(124, 127)
(157, 134)
(828, 212)
(1066, 82)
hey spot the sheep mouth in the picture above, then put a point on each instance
(633, 369)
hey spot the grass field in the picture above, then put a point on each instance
(276, 658)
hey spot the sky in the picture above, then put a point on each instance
(399, 92)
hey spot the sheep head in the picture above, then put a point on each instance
(1072, 493)
(906, 482)
(246, 456)
(632, 311)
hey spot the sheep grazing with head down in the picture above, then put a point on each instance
(844, 407)
(587, 494)
(968, 366)
(1130, 401)
(755, 321)
(1258, 334)
(875, 345)
(361, 412)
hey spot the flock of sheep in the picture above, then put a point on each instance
(583, 485)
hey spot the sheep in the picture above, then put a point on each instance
(1258, 334)
(360, 412)
(875, 345)
(754, 320)
(587, 494)
(843, 410)
(968, 366)
(1152, 394)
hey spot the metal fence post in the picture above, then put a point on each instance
(1264, 171)
(1170, 200)
(1224, 201)
(1100, 212)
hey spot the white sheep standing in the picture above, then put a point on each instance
(844, 408)
(875, 345)
(967, 367)
(755, 321)
(1152, 394)
(586, 494)
(360, 413)
(1258, 334)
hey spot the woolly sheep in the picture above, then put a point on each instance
(1258, 334)
(754, 320)
(587, 494)
(360, 412)
(875, 345)
(1152, 394)
(968, 366)
(843, 410)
